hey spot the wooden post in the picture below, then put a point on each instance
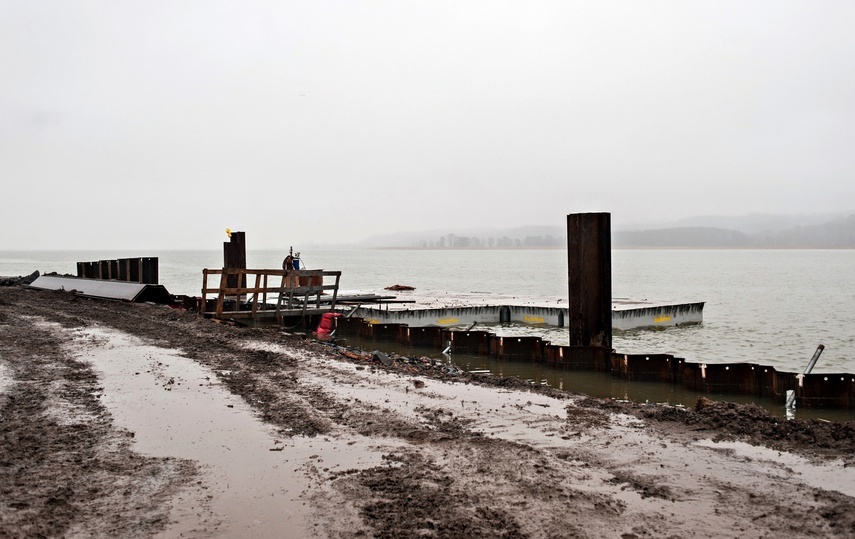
(222, 295)
(204, 291)
(589, 268)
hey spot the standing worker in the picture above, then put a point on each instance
(291, 279)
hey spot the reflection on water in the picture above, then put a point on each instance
(595, 384)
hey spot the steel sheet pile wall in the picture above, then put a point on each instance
(142, 270)
(518, 348)
(385, 332)
(577, 358)
(824, 390)
(431, 337)
(470, 342)
(815, 390)
(647, 367)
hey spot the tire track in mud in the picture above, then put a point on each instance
(64, 468)
(268, 382)
(451, 480)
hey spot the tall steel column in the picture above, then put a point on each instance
(589, 270)
(234, 257)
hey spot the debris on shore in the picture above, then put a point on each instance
(20, 280)
(400, 287)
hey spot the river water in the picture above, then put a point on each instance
(771, 307)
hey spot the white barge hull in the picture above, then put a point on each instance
(625, 315)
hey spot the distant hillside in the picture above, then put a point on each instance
(526, 236)
(757, 231)
(757, 223)
(839, 233)
(835, 234)
(681, 237)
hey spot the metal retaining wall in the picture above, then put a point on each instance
(812, 390)
(134, 270)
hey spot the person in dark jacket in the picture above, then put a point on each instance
(291, 279)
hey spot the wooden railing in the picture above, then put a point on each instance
(312, 296)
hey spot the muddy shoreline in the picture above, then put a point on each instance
(432, 454)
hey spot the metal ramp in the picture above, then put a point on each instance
(104, 288)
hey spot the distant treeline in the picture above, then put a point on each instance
(452, 241)
(835, 234)
(839, 233)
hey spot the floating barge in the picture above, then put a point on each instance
(626, 314)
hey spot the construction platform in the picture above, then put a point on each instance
(273, 295)
(462, 310)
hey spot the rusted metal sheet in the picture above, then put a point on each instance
(385, 332)
(815, 390)
(234, 257)
(431, 337)
(647, 367)
(135, 270)
(825, 390)
(767, 382)
(471, 342)
(523, 348)
(587, 358)
(590, 279)
(348, 326)
(98, 288)
(728, 378)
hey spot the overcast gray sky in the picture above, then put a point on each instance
(159, 124)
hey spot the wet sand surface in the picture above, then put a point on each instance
(140, 421)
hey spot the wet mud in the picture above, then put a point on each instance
(139, 420)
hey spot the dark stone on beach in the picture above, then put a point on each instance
(381, 357)
(19, 281)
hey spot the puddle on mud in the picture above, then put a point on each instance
(829, 476)
(6, 380)
(396, 393)
(176, 408)
(595, 384)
